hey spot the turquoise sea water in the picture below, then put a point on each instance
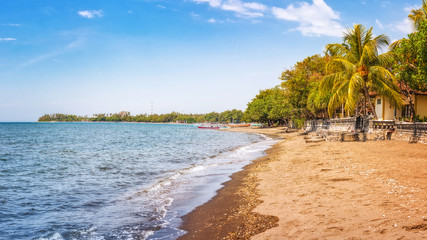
(112, 180)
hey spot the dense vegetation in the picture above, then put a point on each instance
(338, 83)
(234, 116)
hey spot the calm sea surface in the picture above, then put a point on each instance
(112, 180)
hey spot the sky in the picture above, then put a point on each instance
(190, 56)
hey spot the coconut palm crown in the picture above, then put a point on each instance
(356, 69)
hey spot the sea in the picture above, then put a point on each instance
(112, 180)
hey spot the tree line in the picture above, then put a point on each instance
(229, 116)
(339, 82)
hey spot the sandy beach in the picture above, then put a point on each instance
(326, 190)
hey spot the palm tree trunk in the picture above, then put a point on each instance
(364, 104)
(356, 111)
(342, 110)
(412, 109)
(367, 98)
(370, 103)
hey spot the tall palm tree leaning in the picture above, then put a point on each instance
(356, 69)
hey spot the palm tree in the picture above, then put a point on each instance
(418, 15)
(356, 69)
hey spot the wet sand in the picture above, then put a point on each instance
(326, 190)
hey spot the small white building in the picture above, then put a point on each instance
(387, 111)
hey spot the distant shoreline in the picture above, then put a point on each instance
(113, 122)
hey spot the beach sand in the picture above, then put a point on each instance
(326, 190)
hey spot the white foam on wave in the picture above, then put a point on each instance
(55, 236)
(162, 209)
(198, 177)
(247, 153)
(161, 184)
(86, 234)
(162, 194)
(146, 234)
(244, 153)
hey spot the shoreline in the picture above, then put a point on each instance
(332, 190)
(229, 214)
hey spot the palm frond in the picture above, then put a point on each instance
(385, 59)
(381, 41)
(339, 64)
(395, 44)
(417, 16)
(338, 97)
(384, 83)
(355, 85)
(336, 49)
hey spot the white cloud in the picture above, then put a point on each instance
(212, 20)
(7, 39)
(385, 4)
(195, 15)
(12, 24)
(315, 19)
(212, 3)
(51, 55)
(410, 8)
(404, 26)
(90, 13)
(242, 9)
(75, 44)
(255, 6)
(379, 24)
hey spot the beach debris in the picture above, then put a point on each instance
(340, 179)
(421, 226)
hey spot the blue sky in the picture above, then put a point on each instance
(192, 56)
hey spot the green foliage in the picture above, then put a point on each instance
(411, 60)
(410, 63)
(58, 117)
(317, 102)
(45, 118)
(224, 117)
(295, 100)
(298, 123)
(269, 106)
(233, 116)
(300, 81)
